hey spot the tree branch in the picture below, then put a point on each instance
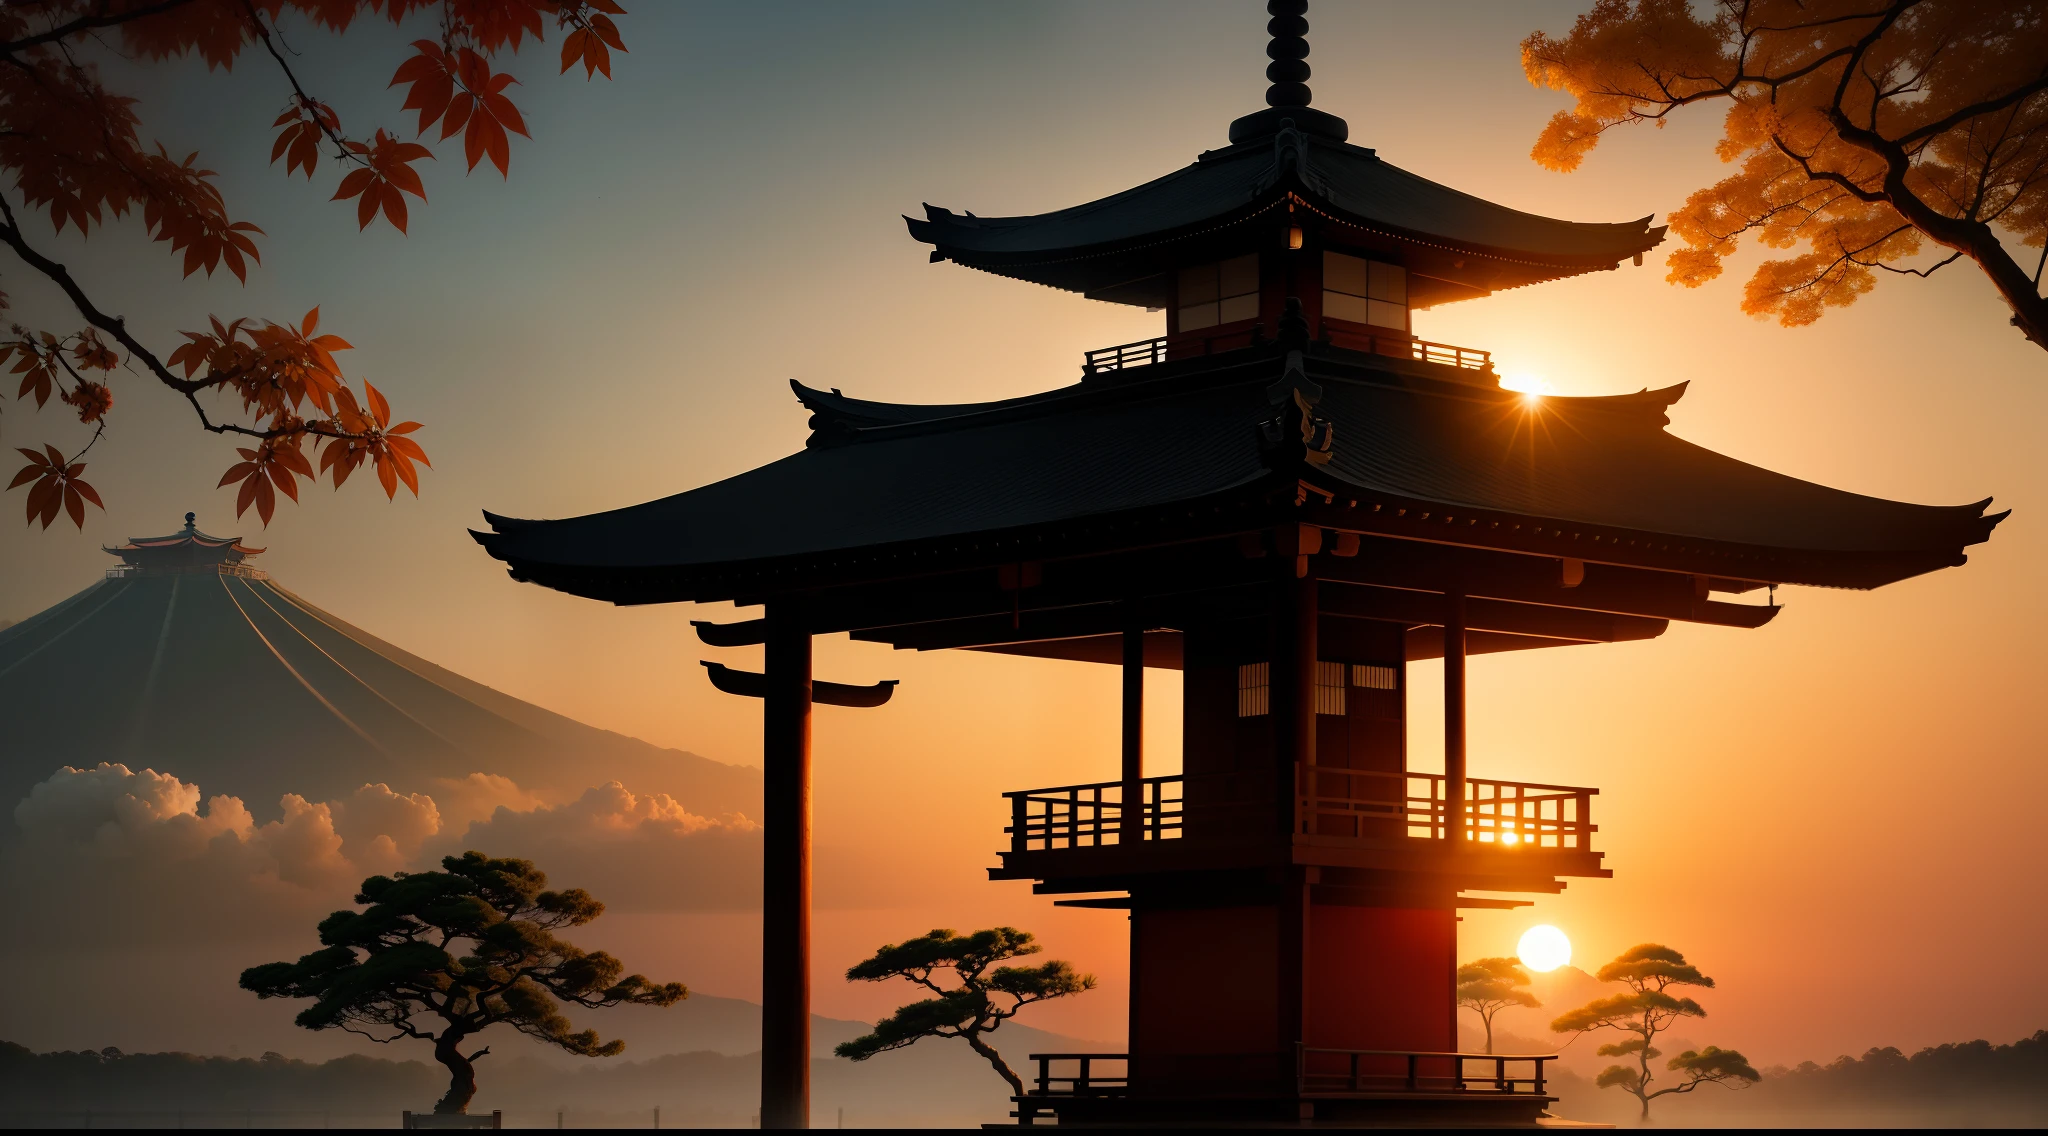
(103, 19)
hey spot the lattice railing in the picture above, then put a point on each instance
(1330, 801)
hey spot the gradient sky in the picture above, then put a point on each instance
(1837, 816)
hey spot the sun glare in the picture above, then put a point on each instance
(1532, 386)
(1543, 949)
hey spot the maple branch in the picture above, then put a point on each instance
(90, 23)
(1868, 197)
(10, 235)
(1988, 106)
(1920, 272)
(312, 105)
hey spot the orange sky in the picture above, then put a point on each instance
(1834, 815)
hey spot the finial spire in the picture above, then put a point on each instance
(1288, 49)
(1288, 98)
(188, 520)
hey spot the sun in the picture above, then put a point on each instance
(1543, 948)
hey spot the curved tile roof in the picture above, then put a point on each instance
(885, 474)
(1228, 184)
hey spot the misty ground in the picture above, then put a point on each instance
(934, 1084)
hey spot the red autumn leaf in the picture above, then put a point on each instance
(378, 185)
(305, 126)
(484, 113)
(592, 44)
(432, 76)
(54, 485)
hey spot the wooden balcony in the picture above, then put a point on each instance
(1145, 352)
(1341, 817)
(1108, 1087)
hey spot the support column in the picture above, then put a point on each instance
(1293, 693)
(1454, 718)
(1134, 726)
(786, 871)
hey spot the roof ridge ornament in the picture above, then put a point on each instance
(1290, 155)
(1297, 432)
(1288, 96)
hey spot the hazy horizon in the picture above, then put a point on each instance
(619, 322)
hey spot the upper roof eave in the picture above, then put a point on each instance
(1225, 187)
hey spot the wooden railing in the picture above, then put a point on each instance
(1313, 1071)
(1509, 814)
(1139, 354)
(1330, 802)
(1088, 816)
(1409, 347)
(1325, 1071)
(1148, 351)
(124, 571)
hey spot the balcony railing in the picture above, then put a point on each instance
(1308, 1071)
(1088, 816)
(1329, 802)
(1359, 802)
(124, 571)
(1139, 354)
(1148, 351)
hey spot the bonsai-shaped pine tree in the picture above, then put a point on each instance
(1490, 985)
(973, 1002)
(441, 956)
(1648, 1009)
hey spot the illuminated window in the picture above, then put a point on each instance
(1373, 678)
(1358, 290)
(1220, 293)
(1254, 690)
(1330, 689)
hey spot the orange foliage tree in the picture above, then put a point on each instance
(75, 151)
(1864, 130)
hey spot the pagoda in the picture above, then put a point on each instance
(1287, 497)
(187, 550)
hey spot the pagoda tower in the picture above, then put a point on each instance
(1287, 497)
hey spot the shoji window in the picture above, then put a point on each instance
(1224, 292)
(1254, 690)
(1358, 290)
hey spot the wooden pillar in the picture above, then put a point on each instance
(1292, 683)
(1134, 726)
(786, 874)
(1454, 718)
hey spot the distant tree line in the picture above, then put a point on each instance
(1946, 1079)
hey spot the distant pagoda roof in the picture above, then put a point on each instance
(184, 550)
(1598, 478)
(1120, 247)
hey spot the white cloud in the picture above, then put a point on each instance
(634, 851)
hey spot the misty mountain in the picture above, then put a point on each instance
(244, 688)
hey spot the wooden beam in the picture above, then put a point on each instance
(1608, 588)
(1133, 724)
(1454, 720)
(746, 633)
(748, 684)
(1369, 601)
(1163, 649)
(1187, 575)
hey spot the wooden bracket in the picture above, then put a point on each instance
(746, 633)
(749, 684)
